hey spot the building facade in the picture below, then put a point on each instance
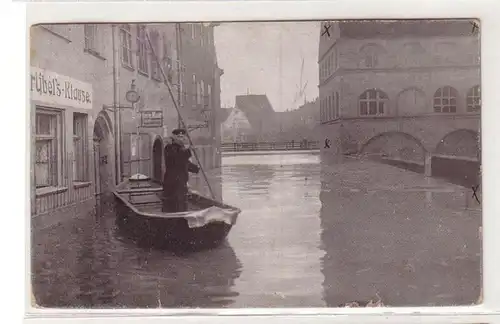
(236, 128)
(86, 135)
(405, 91)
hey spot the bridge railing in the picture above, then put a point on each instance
(269, 146)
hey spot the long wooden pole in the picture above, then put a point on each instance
(165, 81)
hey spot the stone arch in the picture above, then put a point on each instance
(106, 119)
(157, 160)
(460, 142)
(395, 145)
(410, 101)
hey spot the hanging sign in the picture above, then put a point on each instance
(152, 119)
(56, 89)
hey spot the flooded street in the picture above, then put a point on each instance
(309, 235)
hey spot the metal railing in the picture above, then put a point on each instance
(269, 146)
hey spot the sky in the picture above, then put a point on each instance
(248, 52)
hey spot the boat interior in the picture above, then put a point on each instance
(146, 197)
(149, 200)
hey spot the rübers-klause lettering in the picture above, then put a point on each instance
(53, 87)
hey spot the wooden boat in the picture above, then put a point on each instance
(206, 224)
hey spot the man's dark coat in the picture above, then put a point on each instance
(177, 168)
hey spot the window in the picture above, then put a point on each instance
(193, 31)
(330, 108)
(337, 107)
(155, 64)
(182, 83)
(370, 54)
(142, 49)
(321, 111)
(445, 100)
(47, 159)
(446, 52)
(80, 168)
(167, 58)
(195, 91)
(371, 60)
(202, 35)
(90, 35)
(473, 99)
(372, 102)
(201, 93)
(208, 103)
(126, 45)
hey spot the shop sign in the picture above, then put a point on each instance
(152, 119)
(56, 89)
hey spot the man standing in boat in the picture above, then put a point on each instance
(177, 168)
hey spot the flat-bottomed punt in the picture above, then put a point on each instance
(206, 224)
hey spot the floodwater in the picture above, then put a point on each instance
(309, 235)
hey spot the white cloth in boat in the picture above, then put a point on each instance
(203, 217)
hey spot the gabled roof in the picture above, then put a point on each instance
(256, 108)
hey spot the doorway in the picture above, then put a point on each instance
(157, 160)
(102, 165)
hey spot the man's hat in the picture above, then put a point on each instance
(178, 131)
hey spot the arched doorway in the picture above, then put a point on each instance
(103, 171)
(157, 160)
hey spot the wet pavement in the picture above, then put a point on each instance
(309, 235)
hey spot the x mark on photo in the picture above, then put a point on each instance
(326, 31)
(474, 194)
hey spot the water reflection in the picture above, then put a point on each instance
(108, 270)
(277, 235)
(309, 235)
(251, 180)
(396, 233)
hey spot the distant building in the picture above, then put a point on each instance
(299, 124)
(235, 127)
(260, 114)
(406, 91)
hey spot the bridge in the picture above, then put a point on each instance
(436, 144)
(270, 146)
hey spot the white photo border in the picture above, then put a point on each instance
(221, 11)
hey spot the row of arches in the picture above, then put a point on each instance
(456, 157)
(458, 143)
(410, 101)
(373, 102)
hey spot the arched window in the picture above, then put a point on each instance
(372, 102)
(474, 99)
(445, 100)
(337, 107)
(371, 54)
(321, 118)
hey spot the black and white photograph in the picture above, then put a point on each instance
(256, 164)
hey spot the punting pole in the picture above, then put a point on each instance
(165, 81)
